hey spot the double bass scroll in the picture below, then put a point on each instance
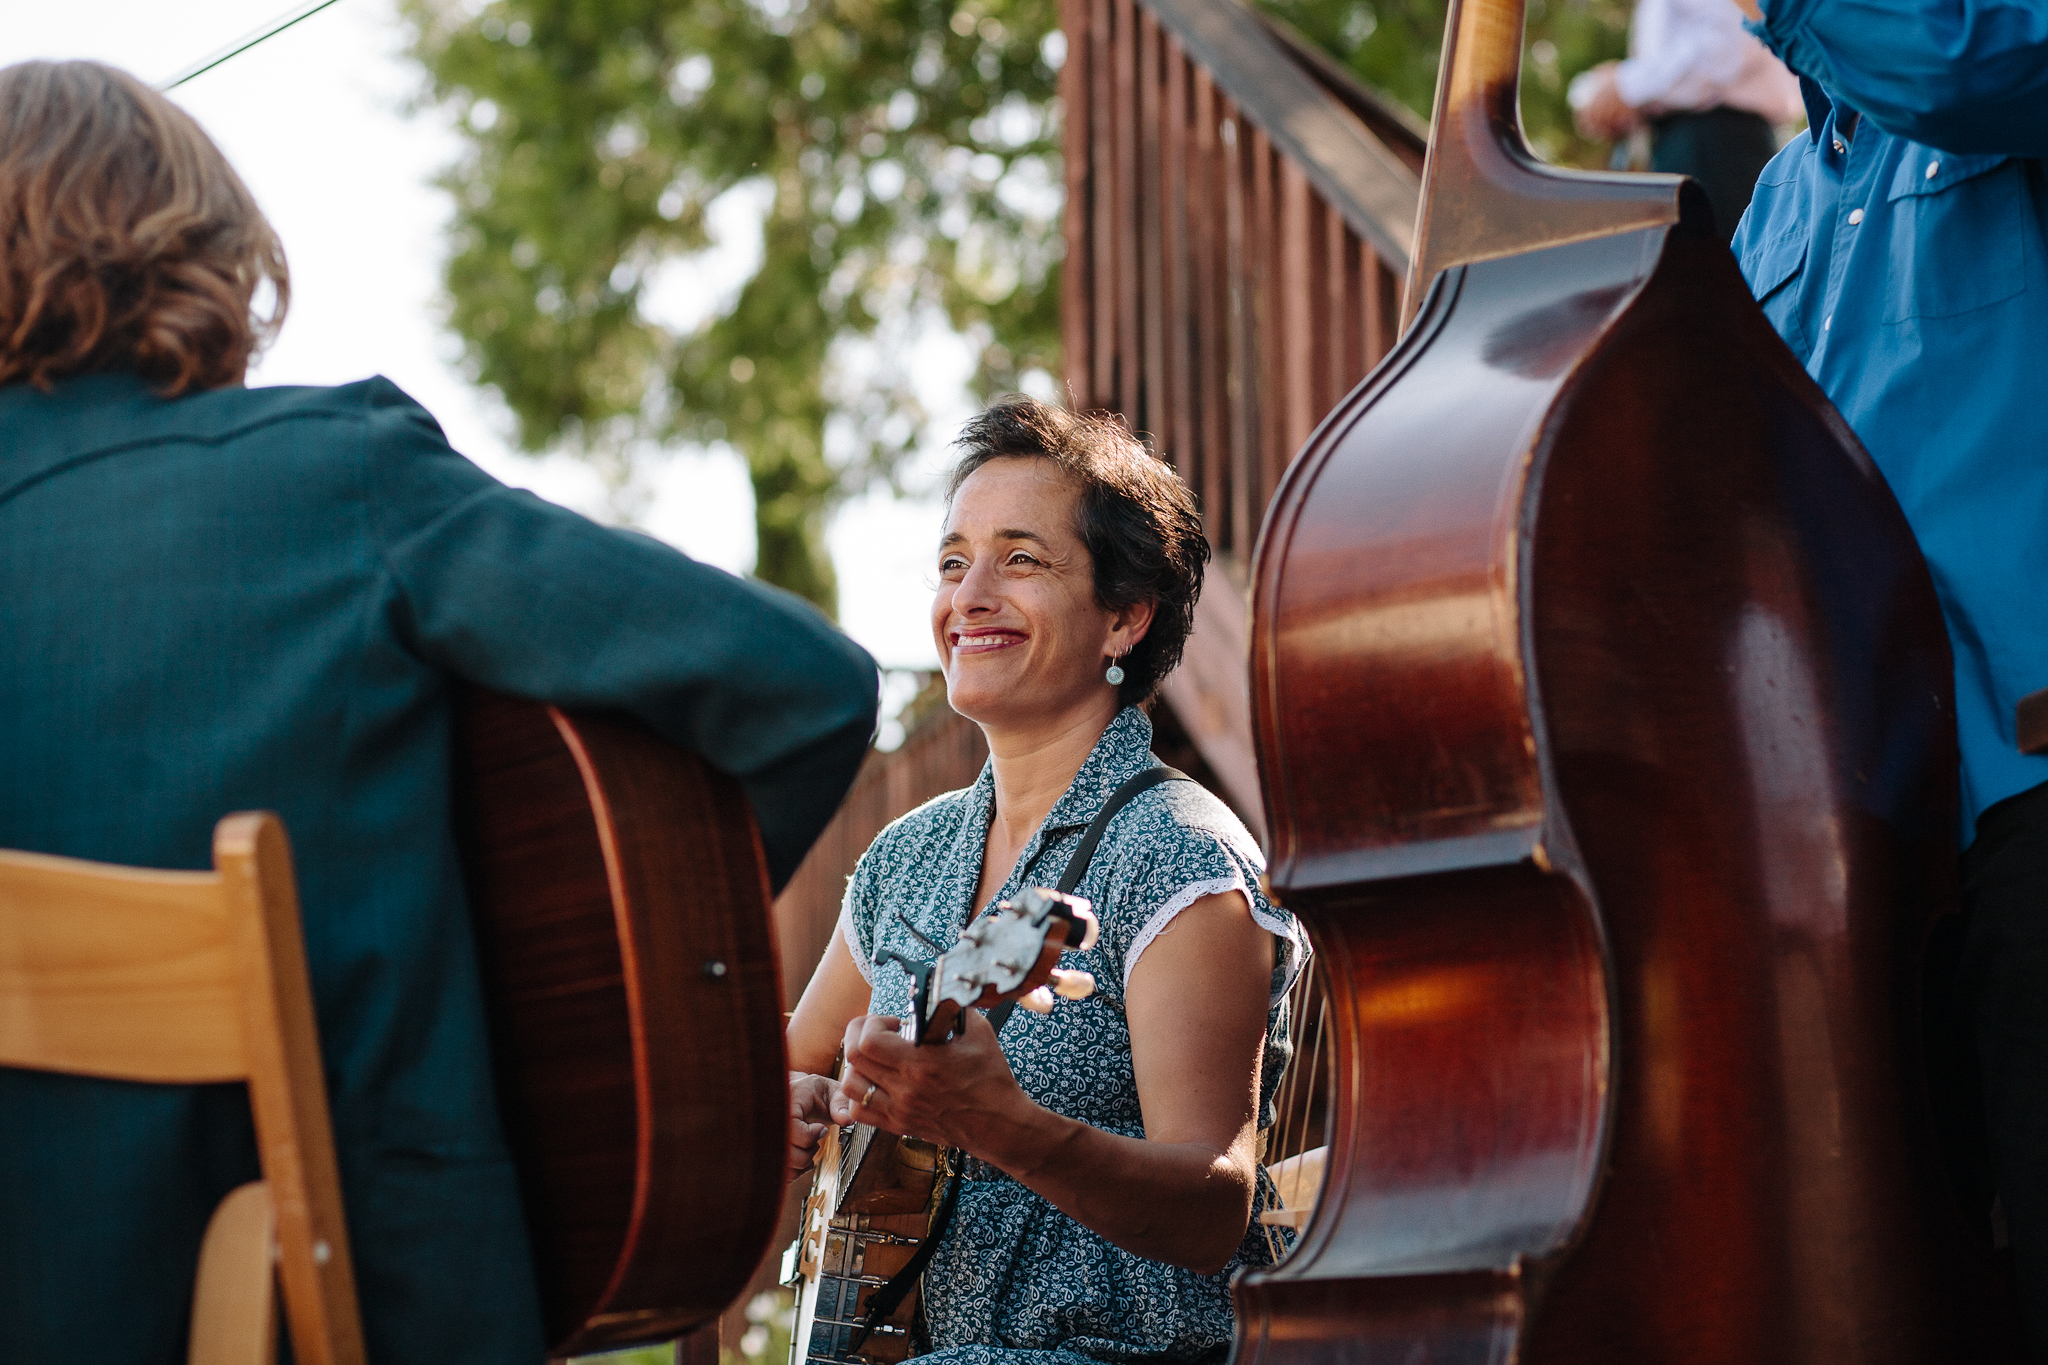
(1602, 706)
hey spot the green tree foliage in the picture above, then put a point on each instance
(908, 155)
(907, 151)
(1394, 45)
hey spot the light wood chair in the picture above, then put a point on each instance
(186, 978)
(1299, 1181)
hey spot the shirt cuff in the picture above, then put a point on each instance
(1637, 85)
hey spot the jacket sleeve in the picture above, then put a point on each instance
(1961, 75)
(499, 587)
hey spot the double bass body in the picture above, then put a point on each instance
(1602, 705)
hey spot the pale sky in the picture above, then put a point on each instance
(315, 120)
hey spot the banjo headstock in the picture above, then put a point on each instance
(1003, 956)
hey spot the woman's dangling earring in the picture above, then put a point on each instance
(1114, 674)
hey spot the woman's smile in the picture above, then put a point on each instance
(983, 640)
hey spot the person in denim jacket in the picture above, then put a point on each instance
(1899, 248)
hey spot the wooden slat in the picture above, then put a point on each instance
(1267, 314)
(1298, 333)
(943, 752)
(1124, 115)
(1317, 217)
(1102, 206)
(1183, 448)
(1211, 286)
(1374, 316)
(1211, 693)
(1243, 377)
(1350, 167)
(234, 1296)
(287, 1093)
(1301, 279)
(1153, 414)
(1352, 318)
(1077, 319)
(112, 971)
(1340, 313)
(1391, 284)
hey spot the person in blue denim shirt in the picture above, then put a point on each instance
(1899, 248)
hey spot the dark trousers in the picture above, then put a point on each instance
(2003, 983)
(1724, 149)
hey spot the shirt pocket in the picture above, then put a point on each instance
(1773, 272)
(1957, 225)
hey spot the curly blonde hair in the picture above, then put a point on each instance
(127, 242)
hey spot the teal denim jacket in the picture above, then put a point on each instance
(259, 598)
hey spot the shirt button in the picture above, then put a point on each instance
(1855, 217)
(1932, 167)
(1839, 147)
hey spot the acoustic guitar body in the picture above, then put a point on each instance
(1603, 711)
(621, 904)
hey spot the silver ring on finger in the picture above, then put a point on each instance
(869, 1098)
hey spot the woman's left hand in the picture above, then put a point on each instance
(959, 1094)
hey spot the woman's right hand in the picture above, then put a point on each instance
(809, 1112)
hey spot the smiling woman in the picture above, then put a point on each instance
(1108, 1149)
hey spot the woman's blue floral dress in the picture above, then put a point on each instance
(1015, 1277)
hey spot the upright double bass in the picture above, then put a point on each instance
(1603, 714)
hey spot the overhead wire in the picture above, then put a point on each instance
(248, 40)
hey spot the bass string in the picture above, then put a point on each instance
(1291, 1121)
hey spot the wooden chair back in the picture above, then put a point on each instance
(190, 978)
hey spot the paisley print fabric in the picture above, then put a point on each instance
(1015, 1277)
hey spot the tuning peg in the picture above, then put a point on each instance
(1072, 985)
(1038, 1001)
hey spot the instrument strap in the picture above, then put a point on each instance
(1084, 852)
(885, 1301)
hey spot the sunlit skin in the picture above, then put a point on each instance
(1607, 117)
(1023, 644)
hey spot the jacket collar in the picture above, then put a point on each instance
(42, 434)
(1818, 106)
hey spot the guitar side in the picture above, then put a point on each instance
(620, 900)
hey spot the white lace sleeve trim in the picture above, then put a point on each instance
(853, 948)
(1280, 928)
(1164, 915)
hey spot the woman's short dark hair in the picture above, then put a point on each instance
(1136, 517)
(127, 242)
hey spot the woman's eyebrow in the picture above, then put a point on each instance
(1007, 533)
